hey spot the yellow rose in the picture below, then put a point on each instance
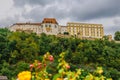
(25, 75)
(47, 79)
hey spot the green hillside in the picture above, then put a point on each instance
(19, 49)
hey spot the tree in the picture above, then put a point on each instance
(117, 36)
(4, 51)
(66, 33)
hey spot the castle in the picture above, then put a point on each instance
(51, 27)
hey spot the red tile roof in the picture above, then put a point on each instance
(27, 24)
(49, 20)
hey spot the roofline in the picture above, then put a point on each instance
(28, 23)
(50, 19)
(82, 23)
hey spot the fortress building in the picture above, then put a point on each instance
(85, 30)
(29, 27)
(48, 26)
(51, 27)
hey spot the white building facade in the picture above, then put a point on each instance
(48, 26)
(31, 27)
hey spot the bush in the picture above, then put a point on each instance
(38, 71)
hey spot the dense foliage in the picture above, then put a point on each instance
(18, 49)
(39, 71)
(117, 35)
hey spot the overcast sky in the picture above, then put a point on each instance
(106, 12)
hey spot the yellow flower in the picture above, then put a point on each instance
(25, 75)
(47, 79)
(59, 79)
(99, 70)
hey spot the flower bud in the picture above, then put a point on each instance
(51, 58)
(31, 65)
(68, 66)
(44, 65)
(39, 65)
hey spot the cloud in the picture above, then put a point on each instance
(112, 29)
(95, 9)
(39, 12)
(7, 21)
(106, 12)
(117, 21)
(20, 3)
(5, 5)
(76, 10)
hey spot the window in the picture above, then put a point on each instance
(49, 25)
(41, 26)
(55, 26)
(45, 25)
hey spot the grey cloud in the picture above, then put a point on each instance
(52, 11)
(96, 9)
(116, 21)
(112, 29)
(76, 10)
(59, 9)
(21, 3)
(9, 21)
(36, 14)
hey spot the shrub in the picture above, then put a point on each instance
(38, 71)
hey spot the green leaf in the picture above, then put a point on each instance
(56, 76)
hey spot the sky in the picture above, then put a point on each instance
(106, 12)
